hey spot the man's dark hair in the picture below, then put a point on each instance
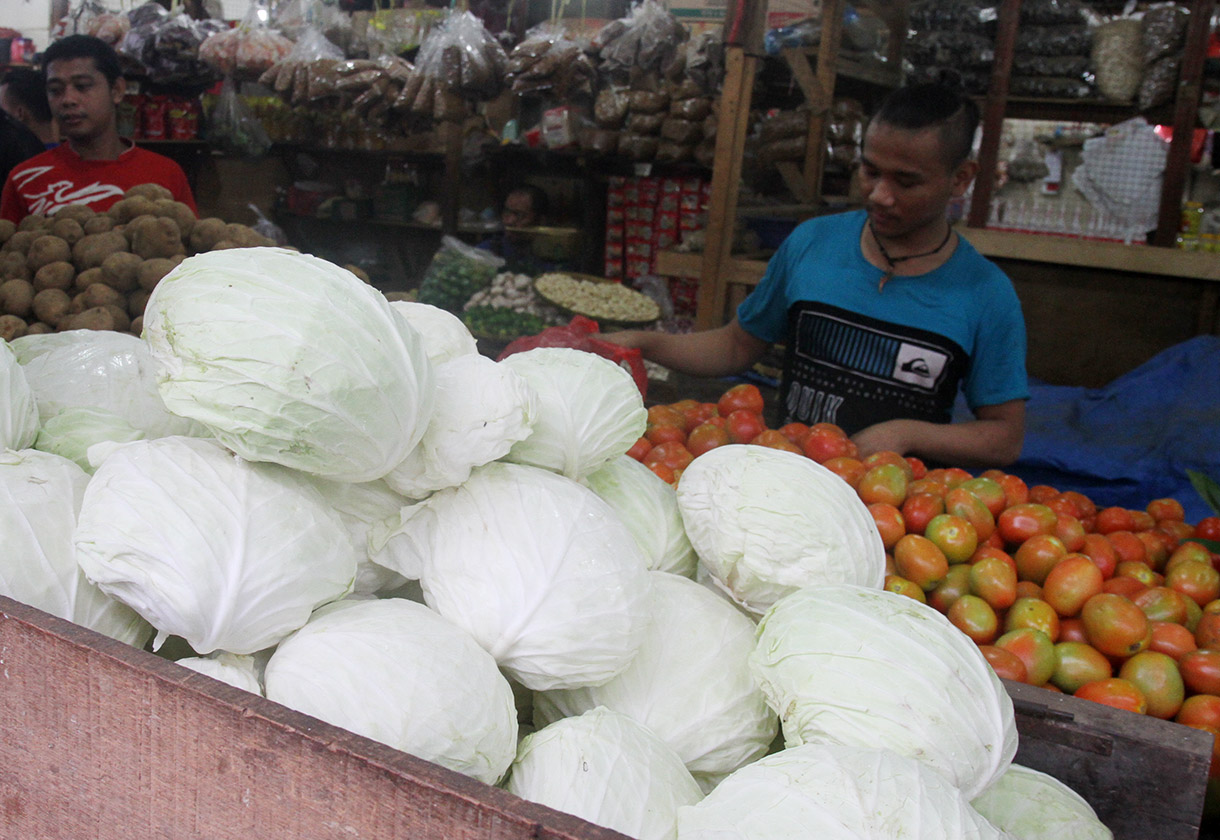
(29, 88)
(929, 105)
(540, 202)
(85, 46)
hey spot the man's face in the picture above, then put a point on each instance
(81, 99)
(518, 210)
(906, 181)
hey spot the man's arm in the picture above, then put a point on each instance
(992, 439)
(718, 352)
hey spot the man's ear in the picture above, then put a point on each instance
(118, 90)
(963, 176)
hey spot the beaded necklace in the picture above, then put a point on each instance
(893, 261)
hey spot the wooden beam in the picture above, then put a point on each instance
(993, 112)
(815, 95)
(824, 71)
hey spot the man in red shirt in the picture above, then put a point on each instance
(94, 166)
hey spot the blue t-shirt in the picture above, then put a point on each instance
(859, 353)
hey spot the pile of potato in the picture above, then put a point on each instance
(80, 269)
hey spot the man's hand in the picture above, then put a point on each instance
(717, 352)
(993, 439)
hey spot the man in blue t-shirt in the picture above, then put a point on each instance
(886, 312)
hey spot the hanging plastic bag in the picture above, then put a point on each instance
(233, 127)
(456, 272)
(266, 227)
(647, 40)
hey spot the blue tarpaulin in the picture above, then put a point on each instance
(1132, 440)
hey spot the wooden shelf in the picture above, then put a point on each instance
(1082, 110)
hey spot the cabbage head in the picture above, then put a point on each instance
(290, 359)
(40, 496)
(237, 671)
(362, 507)
(835, 792)
(72, 431)
(396, 672)
(649, 507)
(444, 335)
(229, 555)
(537, 568)
(19, 410)
(606, 768)
(767, 522)
(590, 410)
(99, 369)
(869, 668)
(690, 683)
(482, 409)
(1032, 805)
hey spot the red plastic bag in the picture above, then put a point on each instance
(579, 334)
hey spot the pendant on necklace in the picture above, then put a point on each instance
(884, 279)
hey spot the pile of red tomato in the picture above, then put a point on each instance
(1114, 605)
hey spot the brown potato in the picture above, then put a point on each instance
(21, 241)
(79, 213)
(88, 277)
(12, 265)
(47, 249)
(91, 251)
(179, 212)
(246, 236)
(77, 305)
(51, 305)
(69, 230)
(150, 191)
(16, 297)
(38, 328)
(120, 271)
(34, 222)
(12, 327)
(159, 237)
(99, 294)
(136, 301)
(97, 318)
(126, 209)
(56, 275)
(206, 233)
(98, 223)
(122, 321)
(7, 229)
(150, 272)
(224, 245)
(137, 325)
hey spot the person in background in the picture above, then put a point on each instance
(886, 311)
(93, 165)
(23, 95)
(17, 144)
(525, 206)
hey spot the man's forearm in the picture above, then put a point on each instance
(718, 352)
(971, 443)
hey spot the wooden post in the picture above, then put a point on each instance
(824, 71)
(993, 112)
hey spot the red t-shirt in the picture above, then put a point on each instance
(59, 177)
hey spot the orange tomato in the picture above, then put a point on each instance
(824, 442)
(744, 425)
(1198, 581)
(1115, 626)
(795, 432)
(1113, 519)
(1037, 556)
(1115, 692)
(658, 434)
(1034, 613)
(883, 483)
(952, 586)
(902, 586)
(1171, 639)
(772, 439)
(1035, 649)
(1201, 671)
(919, 560)
(1099, 550)
(740, 397)
(1170, 509)
(640, 448)
(1006, 664)
(1070, 532)
(1071, 582)
(1200, 708)
(963, 503)
(974, 617)
(889, 522)
(1017, 523)
(918, 509)
(673, 455)
(850, 470)
(705, 437)
(666, 415)
(995, 581)
(1128, 547)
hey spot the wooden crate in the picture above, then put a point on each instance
(100, 741)
(1145, 777)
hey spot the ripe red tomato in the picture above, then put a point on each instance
(705, 437)
(1141, 520)
(974, 617)
(640, 448)
(1071, 582)
(1156, 547)
(1171, 639)
(666, 415)
(740, 397)
(1201, 670)
(953, 535)
(1077, 664)
(1085, 506)
(1040, 494)
(883, 483)
(919, 560)
(918, 468)
(1128, 547)
(1197, 581)
(1166, 508)
(1116, 692)
(1115, 626)
(673, 455)
(1208, 528)
(1177, 531)
(1156, 676)
(700, 413)
(795, 432)
(995, 581)
(1200, 708)
(1128, 587)
(823, 443)
(1099, 550)
(1036, 556)
(744, 425)
(1070, 532)
(918, 509)
(1018, 523)
(850, 470)
(1006, 664)
(658, 434)
(889, 522)
(1207, 631)
(663, 472)
(1160, 603)
(1072, 630)
(772, 439)
(1113, 519)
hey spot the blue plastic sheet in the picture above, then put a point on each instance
(1132, 440)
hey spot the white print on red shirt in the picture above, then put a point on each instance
(60, 194)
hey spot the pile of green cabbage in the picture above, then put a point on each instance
(337, 503)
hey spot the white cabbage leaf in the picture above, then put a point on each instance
(537, 568)
(690, 683)
(19, 412)
(649, 507)
(444, 335)
(237, 670)
(767, 522)
(395, 671)
(40, 497)
(590, 410)
(870, 668)
(482, 409)
(1033, 805)
(99, 369)
(606, 768)
(72, 431)
(362, 507)
(290, 359)
(227, 554)
(835, 792)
